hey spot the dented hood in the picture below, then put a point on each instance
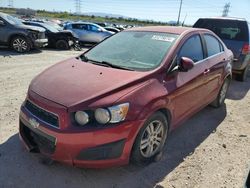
(73, 81)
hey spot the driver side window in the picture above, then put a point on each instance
(192, 49)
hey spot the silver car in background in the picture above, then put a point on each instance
(88, 33)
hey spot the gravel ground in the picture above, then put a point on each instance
(212, 149)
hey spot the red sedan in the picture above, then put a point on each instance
(119, 100)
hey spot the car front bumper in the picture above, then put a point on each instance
(91, 149)
(40, 43)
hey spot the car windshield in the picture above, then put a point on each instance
(134, 50)
(12, 20)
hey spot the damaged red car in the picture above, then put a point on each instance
(118, 101)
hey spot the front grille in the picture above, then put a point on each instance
(42, 114)
(39, 140)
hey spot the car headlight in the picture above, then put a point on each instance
(112, 114)
(119, 112)
(82, 118)
(102, 115)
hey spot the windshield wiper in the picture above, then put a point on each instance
(114, 66)
(103, 63)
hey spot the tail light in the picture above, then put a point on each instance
(246, 49)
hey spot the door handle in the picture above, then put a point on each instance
(206, 71)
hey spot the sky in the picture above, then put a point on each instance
(158, 10)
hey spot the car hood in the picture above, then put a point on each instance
(68, 32)
(33, 28)
(72, 82)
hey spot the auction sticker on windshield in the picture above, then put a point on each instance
(163, 38)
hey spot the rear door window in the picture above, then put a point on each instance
(213, 45)
(225, 29)
(192, 49)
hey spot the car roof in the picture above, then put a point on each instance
(225, 18)
(167, 29)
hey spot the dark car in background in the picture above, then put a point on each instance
(88, 33)
(235, 33)
(63, 40)
(20, 37)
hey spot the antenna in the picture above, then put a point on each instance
(226, 10)
(78, 5)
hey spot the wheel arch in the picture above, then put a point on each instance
(11, 37)
(167, 114)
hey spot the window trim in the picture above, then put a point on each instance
(202, 47)
(221, 46)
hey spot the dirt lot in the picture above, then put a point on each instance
(210, 150)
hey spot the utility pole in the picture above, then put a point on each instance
(78, 5)
(11, 4)
(178, 21)
(226, 10)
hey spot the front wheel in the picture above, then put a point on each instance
(219, 101)
(20, 44)
(62, 45)
(150, 139)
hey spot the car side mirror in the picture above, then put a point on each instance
(99, 29)
(185, 64)
(2, 23)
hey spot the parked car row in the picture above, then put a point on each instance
(24, 35)
(20, 37)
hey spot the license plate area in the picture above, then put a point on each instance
(40, 141)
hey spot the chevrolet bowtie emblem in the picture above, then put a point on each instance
(33, 123)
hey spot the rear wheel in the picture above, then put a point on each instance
(20, 44)
(243, 75)
(62, 45)
(219, 101)
(150, 140)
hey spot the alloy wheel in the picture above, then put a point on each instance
(152, 138)
(20, 45)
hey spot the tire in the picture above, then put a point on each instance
(62, 45)
(146, 147)
(220, 99)
(243, 75)
(20, 44)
